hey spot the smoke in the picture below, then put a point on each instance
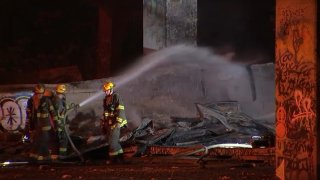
(181, 55)
(168, 83)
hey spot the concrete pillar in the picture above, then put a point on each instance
(181, 22)
(296, 89)
(154, 24)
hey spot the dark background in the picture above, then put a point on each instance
(246, 27)
(42, 34)
(37, 37)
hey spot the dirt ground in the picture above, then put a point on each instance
(161, 167)
(150, 167)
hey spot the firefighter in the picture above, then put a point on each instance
(53, 145)
(41, 130)
(61, 107)
(113, 119)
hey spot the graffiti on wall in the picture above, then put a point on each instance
(13, 112)
(295, 96)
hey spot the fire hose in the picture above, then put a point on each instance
(72, 107)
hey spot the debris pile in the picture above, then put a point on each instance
(219, 124)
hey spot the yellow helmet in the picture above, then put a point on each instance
(108, 85)
(39, 89)
(61, 88)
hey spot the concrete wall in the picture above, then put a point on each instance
(262, 105)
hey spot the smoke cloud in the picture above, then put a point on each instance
(169, 82)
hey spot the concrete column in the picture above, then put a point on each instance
(181, 22)
(154, 24)
(296, 89)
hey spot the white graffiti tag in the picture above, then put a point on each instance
(13, 112)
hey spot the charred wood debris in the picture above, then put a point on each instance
(218, 125)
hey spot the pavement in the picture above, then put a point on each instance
(153, 166)
(158, 167)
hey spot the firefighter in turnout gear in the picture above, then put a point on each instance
(61, 108)
(113, 119)
(53, 146)
(38, 124)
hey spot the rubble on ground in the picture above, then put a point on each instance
(216, 124)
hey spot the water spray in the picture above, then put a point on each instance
(91, 98)
(154, 59)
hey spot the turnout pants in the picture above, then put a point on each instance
(113, 136)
